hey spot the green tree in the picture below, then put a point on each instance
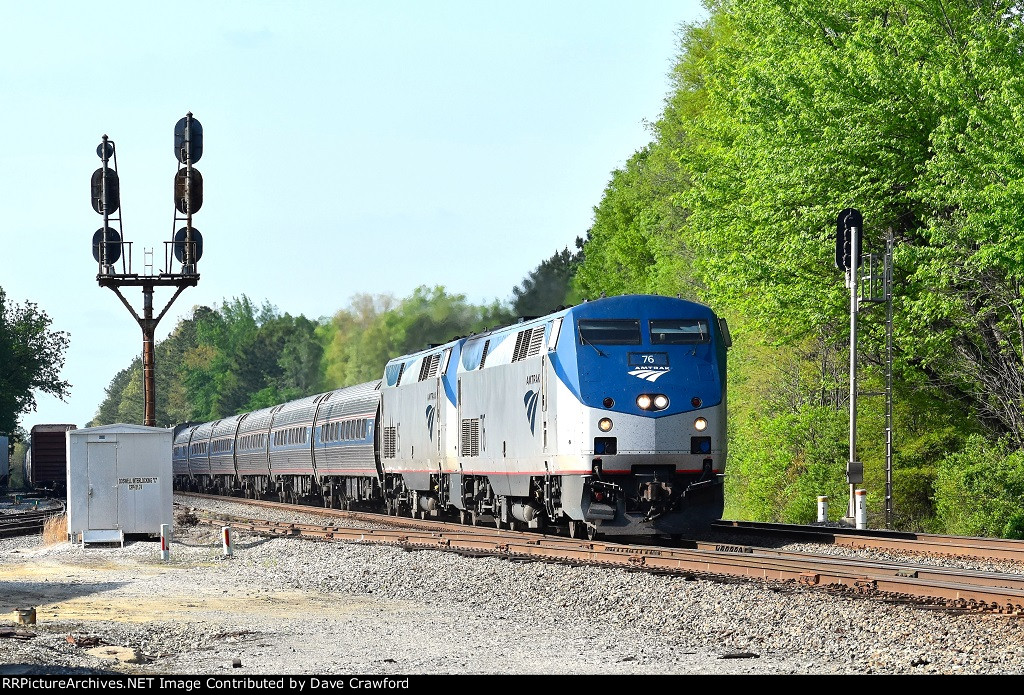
(222, 361)
(910, 113)
(634, 245)
(31, 357)
(548, 286)
(361, 339)
(107, 413)
(132, 406)
(244, 356)
(980, 491)
(341, 334)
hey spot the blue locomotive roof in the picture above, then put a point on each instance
(621, 347)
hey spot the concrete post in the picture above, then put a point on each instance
(862, 509)
(165, 541)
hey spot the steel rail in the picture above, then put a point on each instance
(928, 572)
(923, 543)
(24, 523)
(368, 517)
(954, 588)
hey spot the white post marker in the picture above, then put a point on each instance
(862, 508)
(165, 541)
(229, 548)
(822, 508)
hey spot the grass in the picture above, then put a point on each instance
(55, 529)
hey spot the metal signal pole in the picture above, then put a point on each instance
(187, 244)
(888, 379)
(852, 275)
(849, 232)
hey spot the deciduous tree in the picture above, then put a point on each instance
(31, 357)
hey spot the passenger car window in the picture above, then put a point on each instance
(679, 332)
(610, 331)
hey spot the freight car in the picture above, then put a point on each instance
(607, 417)
(46, 460)
(5, 462)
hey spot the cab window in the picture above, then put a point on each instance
(679, 332)
(610, 331)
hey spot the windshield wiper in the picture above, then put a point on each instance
(587, 342)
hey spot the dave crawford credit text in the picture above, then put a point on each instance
(204, 682)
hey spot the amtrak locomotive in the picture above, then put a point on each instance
(608, 417)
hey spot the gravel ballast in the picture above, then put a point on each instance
(288, 606)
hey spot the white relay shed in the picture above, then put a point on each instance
(119, 482)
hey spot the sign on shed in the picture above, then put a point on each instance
(119, 482)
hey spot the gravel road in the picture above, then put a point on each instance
(286, 606)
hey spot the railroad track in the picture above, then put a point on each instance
(920, 543)
(898, 582)
(28, 522)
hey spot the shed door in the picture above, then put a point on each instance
(102, 467)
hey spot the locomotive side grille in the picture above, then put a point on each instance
(471, 437)
(389, 442)
(428, 368)
(522, 343)
(483, 355)
(536, 342)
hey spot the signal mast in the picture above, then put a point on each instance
(185, 247)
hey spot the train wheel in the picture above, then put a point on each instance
(463, 517)
(575, 529)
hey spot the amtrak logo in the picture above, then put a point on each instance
(530, 401)
(430, 420)
(649, 373)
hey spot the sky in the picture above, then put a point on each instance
(349, 148)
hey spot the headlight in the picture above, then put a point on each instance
(700, 424)
(652, 401)
(604, 424)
